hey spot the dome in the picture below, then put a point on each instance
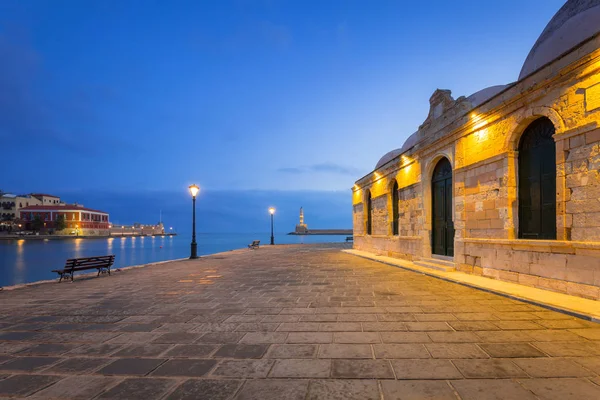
(483, 95)
(575, 22)
(388, 157)
(410, 142)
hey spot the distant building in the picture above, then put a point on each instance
(79, 220)
(10, 204)
(47, 199)
(301, 227)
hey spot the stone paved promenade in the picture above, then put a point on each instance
(289, 322)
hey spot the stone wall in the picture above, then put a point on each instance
(482, 147)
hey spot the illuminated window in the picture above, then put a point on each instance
(368, 211)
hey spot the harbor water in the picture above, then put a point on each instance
(31, 260)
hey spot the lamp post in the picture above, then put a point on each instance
(272, 211)
(194, 246)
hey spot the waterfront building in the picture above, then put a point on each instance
(10, 204)
(79, 220)
(47, 199)
(504, 183)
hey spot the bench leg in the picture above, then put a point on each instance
(62, 275)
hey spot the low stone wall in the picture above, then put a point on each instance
(560, 266)
(405, 247)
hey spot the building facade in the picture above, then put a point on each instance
(78, 219)
(504, 183)
(10, 204)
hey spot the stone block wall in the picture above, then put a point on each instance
(380, 218)
(410, 211)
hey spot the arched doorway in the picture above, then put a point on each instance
(442, 238)
(537, 181)
(368, 212)
(395, 214)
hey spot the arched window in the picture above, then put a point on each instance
(395, 215)
(537, 181)
(368, 211)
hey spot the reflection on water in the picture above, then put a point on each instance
(28, 260)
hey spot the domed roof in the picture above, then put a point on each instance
(483, 95)
(410, 142)
(576, 21)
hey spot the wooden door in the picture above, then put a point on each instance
(442, 224)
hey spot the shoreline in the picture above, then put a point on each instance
(94, 274)
(66, 237)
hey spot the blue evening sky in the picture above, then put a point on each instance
(129, 96)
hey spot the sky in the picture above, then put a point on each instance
(248, 99)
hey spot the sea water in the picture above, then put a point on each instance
(31, 260)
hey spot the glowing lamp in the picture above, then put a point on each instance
(271, 210)
(194, 189)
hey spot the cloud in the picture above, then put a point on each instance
(326, 167)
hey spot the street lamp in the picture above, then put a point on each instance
(272, 211)
(194, 246)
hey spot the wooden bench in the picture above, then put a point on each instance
(349, 238)
(255, 245)
(101, 263)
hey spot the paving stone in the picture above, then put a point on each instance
(552, 368)
(491, 389)
(301, 369)
(221, 337)
(345, 351)
(517, 325)
(142, 350)
(356, 337)
(428, 326)
(264, 337)
(292, 351)
(343, 389)
(5, 358)
(28, 364)
(490, 368)
(435, 317)
(563, 324)
(425, 369)
(188, 367)
(357, 318)
(455, 350)
(384, 326)
(244, 368)
(13, 347)
(280, 318)
(569, 349)
(549, 335)
(177, 338)
(310, 337)
(417, 390)
(562, 389)
(503, 336)
(453, 337)
(77, 366)
(241, 351)
(590, 363)
(139, 389)
(76, 388)
(215, 327)
(48, 349)
(256, 327)
(24, 385)
(131, 366)
(138, 327)
(473, 326)
(341, 327)
(591, 334)
(374, 369)
(213, 389)
(403, 350)
(264, 389)
(134, 338)
(404, 337)
(476, 316)
(20, 336)
(511, 350)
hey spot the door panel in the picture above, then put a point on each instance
(442, 238)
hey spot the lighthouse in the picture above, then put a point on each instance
(301, 228)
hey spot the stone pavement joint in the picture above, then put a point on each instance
(294, 322)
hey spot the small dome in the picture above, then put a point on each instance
(483, 95)
(575, 22)
(410, 142)
(388, 157)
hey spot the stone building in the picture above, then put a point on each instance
(504, 183)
